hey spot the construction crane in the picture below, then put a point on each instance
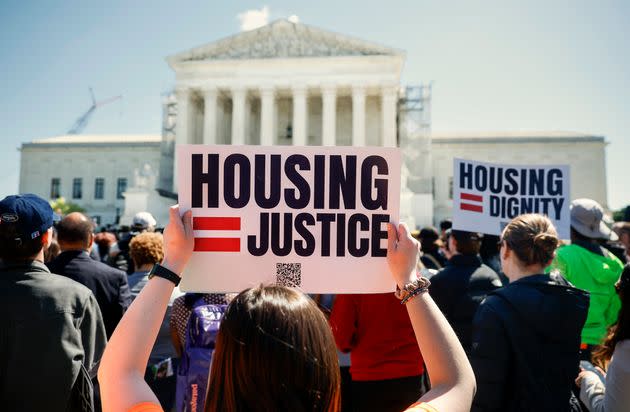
(82, 121)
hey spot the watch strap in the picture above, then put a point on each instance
(162, 272)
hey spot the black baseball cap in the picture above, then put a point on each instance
(464, 236)
(31, 214)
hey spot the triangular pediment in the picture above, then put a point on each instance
(283, 39)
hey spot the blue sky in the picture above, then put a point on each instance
(496, 65)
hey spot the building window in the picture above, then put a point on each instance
(99, 188)
(77, 188)
(121, 187)
(450, 188)
(55, 188)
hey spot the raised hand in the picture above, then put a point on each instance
(403, 252)
(178, 240)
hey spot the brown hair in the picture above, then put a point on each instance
(532, 237)
(146, 248)
(620, 330)
(467, 243)
(274, 351)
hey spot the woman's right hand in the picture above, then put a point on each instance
(403, 252)
(179, 240)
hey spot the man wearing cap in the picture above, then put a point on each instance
(52, 333)
(459, 288)
(431, 257)
(590, 266)
(75, 234)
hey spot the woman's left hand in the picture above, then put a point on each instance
(179, 240)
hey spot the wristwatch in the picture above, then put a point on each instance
(162, 272)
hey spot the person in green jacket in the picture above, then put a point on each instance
(590, 266)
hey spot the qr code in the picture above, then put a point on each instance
(289, 274)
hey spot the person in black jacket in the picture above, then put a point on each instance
(431, 257)
(109, 285)
(526, 335)
(459, 288)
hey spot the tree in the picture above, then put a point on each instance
(621, 214)
(62, 207)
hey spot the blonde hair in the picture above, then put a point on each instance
(533, 238)
(146, 248)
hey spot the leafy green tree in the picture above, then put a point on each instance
(618, 215)
(63, 207)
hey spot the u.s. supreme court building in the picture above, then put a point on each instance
(291, 84)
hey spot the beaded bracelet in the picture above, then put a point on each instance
(414, 293)
(412, 289)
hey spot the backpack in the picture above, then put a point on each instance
(194, 368)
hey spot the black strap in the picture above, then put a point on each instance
(162, 272)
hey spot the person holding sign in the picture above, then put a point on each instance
(275, 350)
(526, 335)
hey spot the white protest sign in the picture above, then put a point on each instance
(311, 217)
(486, 196)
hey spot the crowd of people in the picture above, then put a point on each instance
(520, 321)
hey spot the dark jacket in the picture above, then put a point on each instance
(459, 288)
(50, 327)
(526, 342)
(433, 259)
(109, 285)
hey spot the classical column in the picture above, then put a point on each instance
(210, 96)
(329, 111)
(300, 114)
(267, 115)
(358, 116)
(182, 126)
(388, 112)
(183, 116)
(238, 115)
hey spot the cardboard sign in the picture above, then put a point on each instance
(486, 196)
(309, 217)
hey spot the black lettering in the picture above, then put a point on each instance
(554, 182)
(199, 178)
(320, 179)
(545, 205)
(304, 247)
(523, 182)
(526, 205)
(465, 175)
(341, 234)
(512, 207)
(481, 178)
(229, 180)
(378, 234)
(496, 179)
(287, 234)
(511, 186)
(557, 207)
(495, 206)
(380, 185)
(343, 182)
(364, 244)
(261, 182)
(326, 219)
(293, 201)
(536, 182)
(264, 238)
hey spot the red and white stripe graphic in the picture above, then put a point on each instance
(475, 202)
(217, 244)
